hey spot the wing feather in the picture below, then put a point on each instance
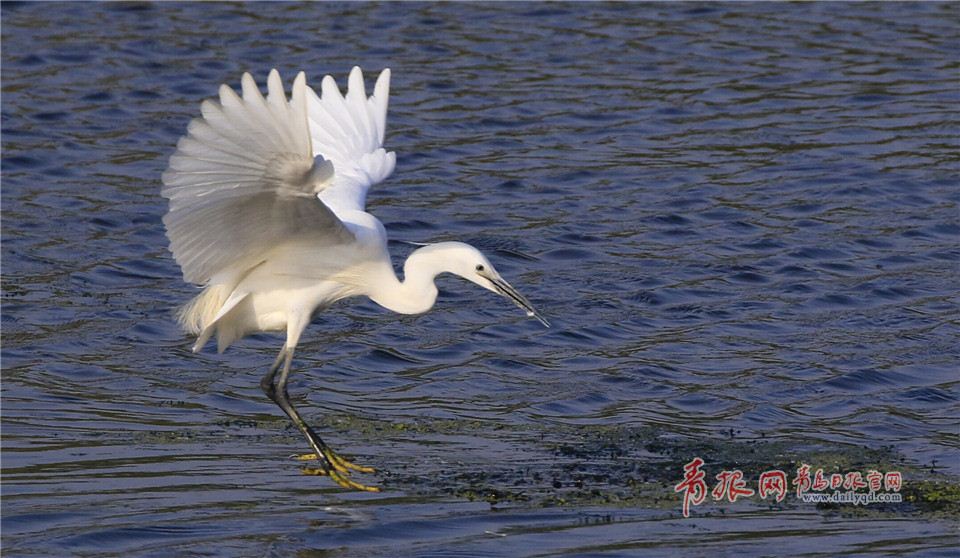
(379, 102)
(349, 131)
(244, 181)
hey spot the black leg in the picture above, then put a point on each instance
(266, 383)
(278, 393)
(330, 463)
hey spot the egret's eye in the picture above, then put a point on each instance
(479, 267)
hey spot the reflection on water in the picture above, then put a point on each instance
(737, 217)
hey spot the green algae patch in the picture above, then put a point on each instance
(939, 497)
(622, 467)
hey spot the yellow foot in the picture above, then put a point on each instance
(347, 482)
(340, 478)
(339, 463)
(339, 470)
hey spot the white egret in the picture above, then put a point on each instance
(267, 201)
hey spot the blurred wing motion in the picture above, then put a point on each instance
(349, 132)
(244, 180)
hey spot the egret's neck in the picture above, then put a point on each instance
(417, 292)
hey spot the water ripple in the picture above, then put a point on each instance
(738, 217)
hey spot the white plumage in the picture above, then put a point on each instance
(267, 212)
(349, 131)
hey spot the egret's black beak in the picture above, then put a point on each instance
(504, 288)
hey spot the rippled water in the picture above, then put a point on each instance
(742, 220)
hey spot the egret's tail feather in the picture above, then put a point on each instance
(226, 335)
(199, 313)
(198, 316)
(203, 338)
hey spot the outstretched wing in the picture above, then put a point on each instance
(349, 132)
(244, 180)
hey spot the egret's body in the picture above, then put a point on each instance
(267, 212)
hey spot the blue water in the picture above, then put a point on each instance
(741, 219)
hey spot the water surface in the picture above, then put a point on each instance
(741, 219)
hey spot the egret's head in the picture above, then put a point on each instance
(468, 262)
